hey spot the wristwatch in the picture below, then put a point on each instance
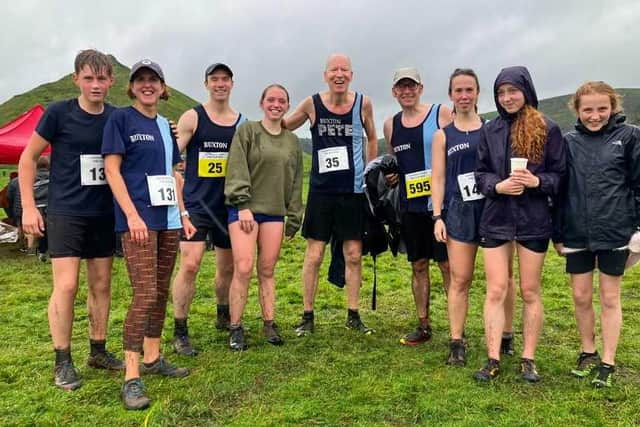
(436, 217)
(184, 213)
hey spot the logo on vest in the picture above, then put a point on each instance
(458, 147)
(215, 144)
(141, 137)
(401, 147)
(333, 127)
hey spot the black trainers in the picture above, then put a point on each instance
(271, 333)
(604, 376)
(223, 320)
(133, 395)
(105, 360)
(528, 370)
(66, 376)
(164, 368)
(237, 340)
(182, 345)
(488, 371)
(417, 336)
(457, 353)
(306, 326)
(586, 364)
(356, 324)
(506, 345)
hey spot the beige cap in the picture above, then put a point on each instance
(407, 73)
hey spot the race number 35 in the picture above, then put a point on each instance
(333, 159)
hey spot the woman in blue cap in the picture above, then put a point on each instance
(520, 166)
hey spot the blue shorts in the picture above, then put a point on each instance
(257, 217)
(463, 219)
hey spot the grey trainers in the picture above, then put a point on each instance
(237, 341)
(457, 353)
(182, 345)
(529, 371)
(356, 324)
(272, 334)
(506, 345)
(164, 368)
(306, 326)
(133, 395)
(66, 376)
(105, 360)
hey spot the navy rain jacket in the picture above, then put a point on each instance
(528, 216)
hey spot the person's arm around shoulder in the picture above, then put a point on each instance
(187, 125)
(295, 208)
(300, 115)
(445, 116)
(438, 177)
(387, 130)
(369, 128)
(32, 222)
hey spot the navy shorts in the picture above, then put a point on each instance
(463, 219)
(416, 230)
(80, 236)
(214, 228)
(257, 217)
(540, 246)
(609, 261)
(336, 215)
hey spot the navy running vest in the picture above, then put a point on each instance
(206, 164)
(462, 148)
(337, 164)
(412, 148)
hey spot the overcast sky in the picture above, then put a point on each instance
(563, 43)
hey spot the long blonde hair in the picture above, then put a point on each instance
(529, 134)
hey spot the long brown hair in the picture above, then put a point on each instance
(529, 134)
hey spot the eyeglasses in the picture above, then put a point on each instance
(407, 84)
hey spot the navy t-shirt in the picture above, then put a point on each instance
(72, 133)
(148, 148)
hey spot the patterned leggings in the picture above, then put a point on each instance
(150, 266)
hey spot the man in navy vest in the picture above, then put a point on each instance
(339, 118)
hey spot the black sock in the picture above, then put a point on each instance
(63, 355)
(608, 367)
(586, 353)
(507, 335)
(353, 314)
(97, 346)
(267, 322)
(223, 309)
(150, 364)
(180, 328)
(307, 315)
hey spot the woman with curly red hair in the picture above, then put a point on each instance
(520, 166)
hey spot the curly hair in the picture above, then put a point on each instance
(529, 134)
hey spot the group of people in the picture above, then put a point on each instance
(507, 185)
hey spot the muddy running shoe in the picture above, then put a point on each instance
(306, 326)
(272, 334)
(164, 368)
(105, 360)
(418, 336)
(223, 320)
(604, 376)
(457, 353)
(237, 341)
(586, 364)
(133, 395)
(66, 376)
(356, 324)
(528, 370)
(182, 345)
(506, 345)
(488, 371)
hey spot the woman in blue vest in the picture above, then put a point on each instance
(140, 154)
(520, 167)
(458, 204)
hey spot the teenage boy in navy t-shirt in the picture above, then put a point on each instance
(80, 221)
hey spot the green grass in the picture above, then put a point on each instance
(334, 377)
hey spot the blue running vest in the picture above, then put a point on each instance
(462, 148)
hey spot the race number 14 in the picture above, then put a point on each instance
(468, 187)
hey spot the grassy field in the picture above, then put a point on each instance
(334, 377)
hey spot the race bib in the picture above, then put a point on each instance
(333, 159)
(212, 165)
(162, 190)
(468, 187)
(418, 184)
(92, 170)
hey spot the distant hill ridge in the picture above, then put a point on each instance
(556, 108)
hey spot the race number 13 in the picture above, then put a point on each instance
(212, 165)
(92, 170)
(162, 190)
(333, 159)
(418, 184)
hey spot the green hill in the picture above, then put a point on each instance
(556, 108)
(64, 88)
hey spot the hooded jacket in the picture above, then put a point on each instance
(527, 216)
(601, 202)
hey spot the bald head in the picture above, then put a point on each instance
(337, 58)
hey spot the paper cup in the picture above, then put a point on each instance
(518, 163)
